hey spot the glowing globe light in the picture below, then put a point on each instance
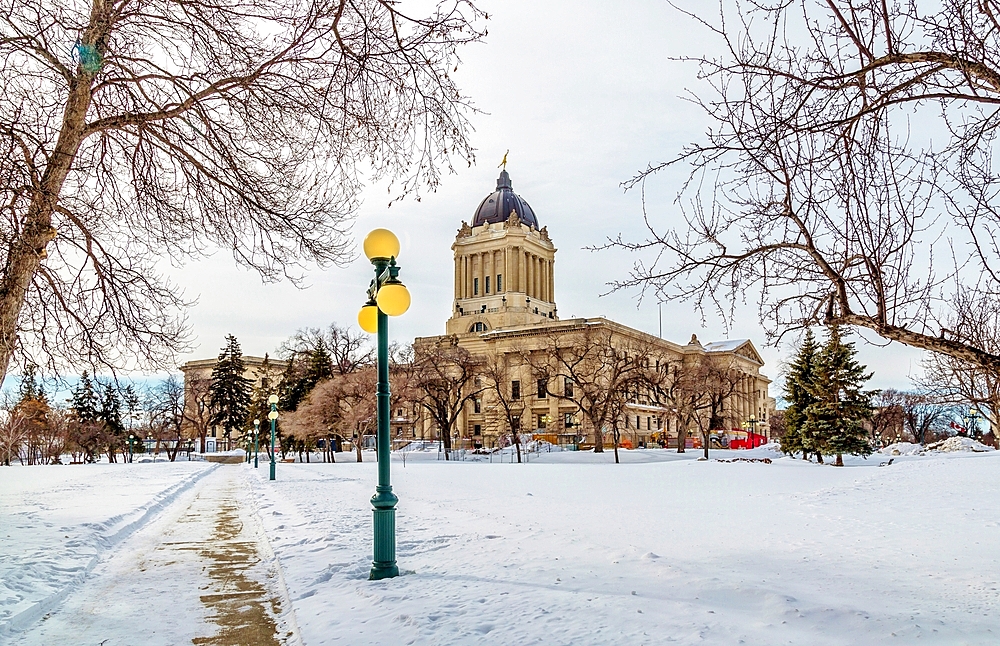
(393, 299)
(368, 319)
(381, 243)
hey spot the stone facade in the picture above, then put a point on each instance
(505, 306)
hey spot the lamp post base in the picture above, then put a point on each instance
(272, 470)
(384, 563)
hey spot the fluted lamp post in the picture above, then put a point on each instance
(386, 297)
(273, 415)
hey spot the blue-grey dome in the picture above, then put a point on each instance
(497, 206)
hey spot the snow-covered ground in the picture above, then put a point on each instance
(567, 549)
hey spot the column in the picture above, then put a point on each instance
(521, 286)
(552, 281)
(458, 277)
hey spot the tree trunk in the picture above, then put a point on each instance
(840, 460)
(27, 249)
(819, 457)
(517, 446)
(704, 442)
(615, 435)
(681, 438)
(598, 439)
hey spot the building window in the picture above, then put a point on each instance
(399, 431)
(515, 389)
(568, 387)
(568, 420)
(543, 388)
(475, 287)
(478, 327)
(649, 424)
(515, 424)
(541, 421)
(638, 423)
(499, 283)
(487, 285)
(477, 430)
(477, 406)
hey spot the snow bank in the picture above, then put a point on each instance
(903, 448)
(59, 521)
(951, 445)
(571, 548)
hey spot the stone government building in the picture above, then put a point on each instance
(505, 306)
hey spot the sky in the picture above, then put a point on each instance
(583, 94)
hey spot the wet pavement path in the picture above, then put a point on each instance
(200, 573)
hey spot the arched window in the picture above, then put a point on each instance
(479, 326)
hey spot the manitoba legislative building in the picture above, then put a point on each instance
(538, 374)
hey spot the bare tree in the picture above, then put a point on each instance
(197, 410)
(348, 350)
(888, 421)
(444, 381)
(165, 407)
(498, 378)
(961, 382)
(847, 174)
(132, 131)
(602, 369)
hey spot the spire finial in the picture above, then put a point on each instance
(503, 164)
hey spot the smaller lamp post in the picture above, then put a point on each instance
(256, 446)
(752, 433)
(190, 448)
(273, 415)
(972, 422)
(131, 440)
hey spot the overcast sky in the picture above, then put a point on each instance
(584, 95)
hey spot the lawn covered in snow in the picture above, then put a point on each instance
(573, 549)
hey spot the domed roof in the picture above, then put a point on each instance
(496, 207)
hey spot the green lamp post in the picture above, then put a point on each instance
(256, 446)
(387, 296)
(273, 415)
(131, 440)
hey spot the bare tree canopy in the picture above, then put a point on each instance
(847, 175)
(133, 131)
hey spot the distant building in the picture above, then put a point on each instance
(198, 378)
(505, 305)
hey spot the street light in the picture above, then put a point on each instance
(256, 446)
(972, 422)
(131, 439)
(273, 415)
(752, 423)
(387, 296)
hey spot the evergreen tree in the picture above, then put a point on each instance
(84, 402)
(834, 421)
(110, 415)
(305, 370)
(229, 394)
(30, 387)
(798, 395)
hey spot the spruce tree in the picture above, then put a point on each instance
(798, 395)
(84, 402)
(230, 391)
(834, 421)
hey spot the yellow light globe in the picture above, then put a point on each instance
(393, 299)
(381, 243)
(368, 319)
(273, 399)
(273, 415)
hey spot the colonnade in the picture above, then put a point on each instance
(519, 271)
(747, 402)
